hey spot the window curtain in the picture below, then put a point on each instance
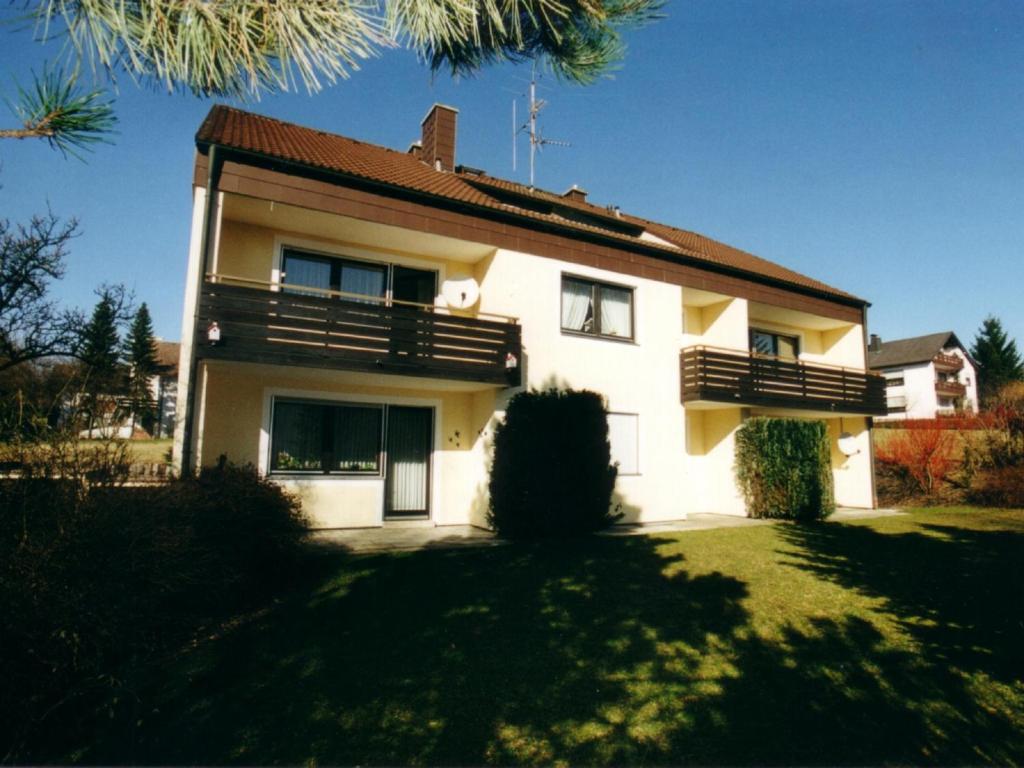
(409, 434)
(357, 439)
(298, 437)
(311, 273)
(576, 306)
(365, 281)
(615, 312)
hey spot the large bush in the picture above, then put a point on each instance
(552, 473)
(783, 468)
(99, 582)
(927, 457)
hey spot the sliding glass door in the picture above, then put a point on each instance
(407, 467)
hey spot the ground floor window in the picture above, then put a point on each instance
(329, 438)
(624, 438)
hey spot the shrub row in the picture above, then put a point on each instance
(100, 581)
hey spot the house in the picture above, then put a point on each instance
(925, 376)
(356, 319)
(164, 387)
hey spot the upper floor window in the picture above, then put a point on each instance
(359, 278)
(894, 381)
(774, 344)
(597, 309)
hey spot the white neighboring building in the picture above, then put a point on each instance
(925, 376)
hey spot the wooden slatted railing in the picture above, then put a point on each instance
(948, 362)
(726, 376)
(289, 328)
(950, 388)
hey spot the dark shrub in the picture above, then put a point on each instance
(999, 487)
(552, 472)
(783, 468)
(99, 584)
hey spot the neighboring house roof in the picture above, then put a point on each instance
(167, 353)
(245, 131)
(913, 351)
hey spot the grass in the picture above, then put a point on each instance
(151, 451)
(894, 640)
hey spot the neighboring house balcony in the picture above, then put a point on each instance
(269, 323)
(950, 389)
(950, 363)
(714, 375)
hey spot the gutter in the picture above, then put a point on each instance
(438, 201)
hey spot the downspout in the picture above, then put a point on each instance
(212, 176)
(869, 420)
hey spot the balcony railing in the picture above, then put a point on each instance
(345, 332)
(948, 362)
(950, 389)
(727, 376)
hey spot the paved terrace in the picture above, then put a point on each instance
(411, 537)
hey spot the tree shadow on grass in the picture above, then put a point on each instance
(959, 592)
(598, 651)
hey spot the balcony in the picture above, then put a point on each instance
(950, 389)
(948, 362)
(338, 331)
(737, 378)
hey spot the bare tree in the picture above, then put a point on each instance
(32, 326)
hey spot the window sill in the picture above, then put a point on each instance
(325, 475)
(595, 337)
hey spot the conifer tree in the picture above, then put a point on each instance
(998, 357)
(100, 357)
(143, 364)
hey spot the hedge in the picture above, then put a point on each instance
(783, 468)
(552, 474)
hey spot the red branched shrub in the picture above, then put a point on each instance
(926, 455)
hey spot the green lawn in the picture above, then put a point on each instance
(896, 640)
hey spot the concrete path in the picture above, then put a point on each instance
(425, 536)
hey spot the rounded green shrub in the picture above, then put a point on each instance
(552, 474)
(783, 468)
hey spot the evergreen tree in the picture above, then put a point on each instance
(101, 360)
(998, 357)
(143, 365)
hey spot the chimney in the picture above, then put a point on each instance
(876, 343)
(439, 137)
(415, 149)
(576, 194)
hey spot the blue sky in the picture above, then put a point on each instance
(877, 146)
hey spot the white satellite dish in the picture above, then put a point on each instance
(848, 444)
(460, 292)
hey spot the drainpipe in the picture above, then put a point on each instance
(870, 421)
(212, 178)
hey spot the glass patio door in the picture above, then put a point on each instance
(408, 448)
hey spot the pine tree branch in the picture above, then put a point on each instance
(55, 109)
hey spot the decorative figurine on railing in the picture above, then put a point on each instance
(213, 334)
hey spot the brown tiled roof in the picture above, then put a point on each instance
(233, 128)
(919, 349)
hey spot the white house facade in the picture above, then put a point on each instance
(925, 376)
(356, 319)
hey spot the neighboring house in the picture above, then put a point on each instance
(165, 387)
(356, 319)
(925, 376)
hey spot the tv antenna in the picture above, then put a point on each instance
(537, 140)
